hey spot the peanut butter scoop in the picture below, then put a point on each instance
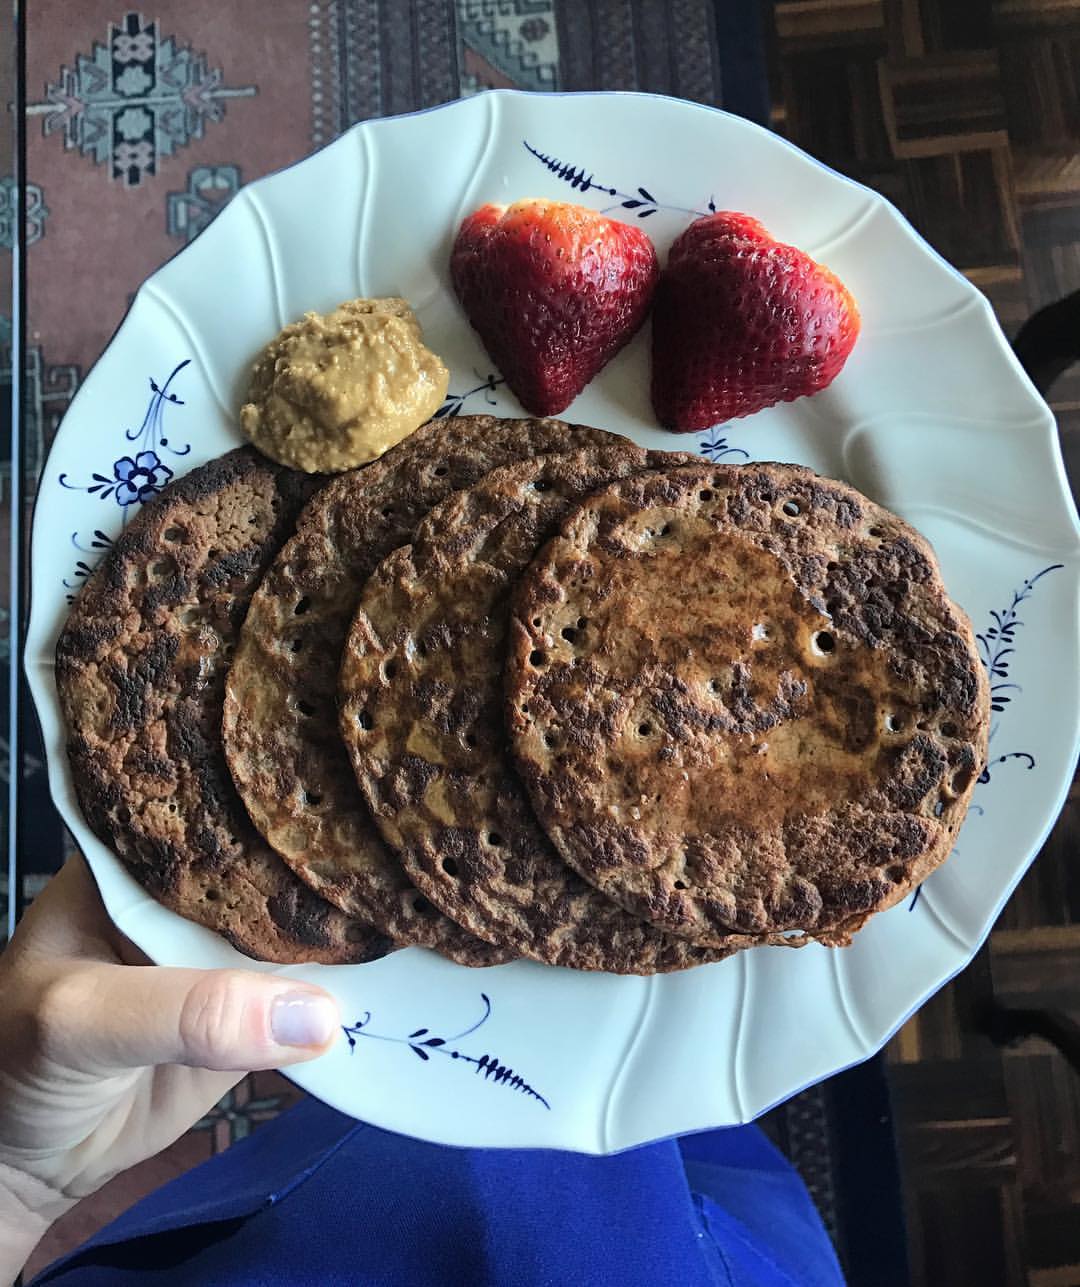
(336, 390)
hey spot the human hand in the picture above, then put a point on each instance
(106, 1059)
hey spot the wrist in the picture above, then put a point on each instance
(28, 1206)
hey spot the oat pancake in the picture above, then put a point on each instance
(741, 699)
(421, 713)
(281, 732)
(140, 670)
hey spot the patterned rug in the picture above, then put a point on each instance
(143, 124)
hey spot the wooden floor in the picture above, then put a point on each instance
(966, 113)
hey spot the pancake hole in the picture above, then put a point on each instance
(541, 485)
(714, 686)
(665, 530)
(365, 721)
(252, 520)
(312, 797)
(302, 606)
(305, 708)
(831, 567)
(123, 814)
(569, 634)
(680, 884)
(894, 723)
(213, 554)
(823, 641)
(792, 508)
(174, 534)
(212, 895)
(875, 531)
(495, 839)
(387, 512)
(422, 907)
(172, 807)
(705, 494)
(644, 729)
(421, 648)
(389, 669)
(470, 741)
(537, 658)
(441, 471)
(582, 622)
(449, 866)
(717, 481)
(948, 729)
(536, 621)
(525, 708)
(833, 607)
(897, 874)
(297, 644)
(961, 781)
(550, 739)
(939, 808)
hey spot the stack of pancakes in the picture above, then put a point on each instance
(522, 688)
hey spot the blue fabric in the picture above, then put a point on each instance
(316, 1198)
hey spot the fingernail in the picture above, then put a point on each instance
(303, 1019)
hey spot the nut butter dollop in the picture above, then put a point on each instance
(336, 390)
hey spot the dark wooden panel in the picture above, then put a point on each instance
(939, 105)
(962, 1239)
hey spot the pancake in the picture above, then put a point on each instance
(281, 734)
(421, 714)
(741, 700)
(140, 671)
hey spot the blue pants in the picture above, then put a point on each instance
(318, 1198)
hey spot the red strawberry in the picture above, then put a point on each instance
(554, 290)
(742, 322)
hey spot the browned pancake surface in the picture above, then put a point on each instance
(140, 670)
(741, 700)
(421, 713)
(281, 731)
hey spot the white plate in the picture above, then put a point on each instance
(932, 417)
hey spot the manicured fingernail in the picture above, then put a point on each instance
(303, 1019)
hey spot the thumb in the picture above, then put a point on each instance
(100, 1017)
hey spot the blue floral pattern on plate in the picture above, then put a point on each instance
(641, 201)
(135, 479)
(423, 1044)
(715, 448)
(997, 643)
(455, 401)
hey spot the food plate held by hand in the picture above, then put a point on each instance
(930, 418)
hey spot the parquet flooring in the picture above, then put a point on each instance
(966, 114)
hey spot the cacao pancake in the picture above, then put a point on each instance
(421, 714)
(140, 670)
(741, 700)
(281, 732)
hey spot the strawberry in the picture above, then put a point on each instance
(554, 291)
(742, 322)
